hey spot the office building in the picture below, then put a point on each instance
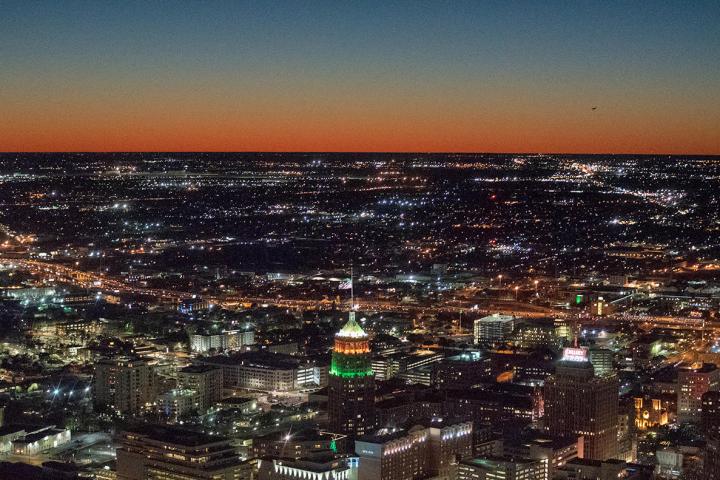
(495, 403)
(556, 451)
(298, 444)
(495, 328)
(710, 416)
(579, 403)
(351, 383)
(448, 441)
(429, 449)
(317, 468)
(505, 468)
(166, 453)
(602, 361)
(711, 459)
(461, 371)
(586, 469)
(393, 455)
(535, 334)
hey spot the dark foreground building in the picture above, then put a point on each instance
(579, 403)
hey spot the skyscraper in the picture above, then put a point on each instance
(351, 383)
(579, 403)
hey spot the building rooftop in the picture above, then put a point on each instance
(198, 368)
(496, 317)
(175, 435)
(33, 437)
(352, 329)
(492, 461)
(259, 359)
(304, 435)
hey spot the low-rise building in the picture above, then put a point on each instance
(38, 440)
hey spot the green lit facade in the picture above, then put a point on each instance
(351, 384)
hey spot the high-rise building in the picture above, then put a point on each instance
(427, 450)
(602, 361)
(493, 329)
(393, 455)
(711, 413)
(579, 403)
(693, 381)
(124, 384)
(165, 453)
(206, 380)
(351, 383)
(505, 468)
(448, 442)
(711, 459)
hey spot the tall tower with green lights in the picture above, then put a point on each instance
(351, 386)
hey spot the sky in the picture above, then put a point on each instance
(276, 75)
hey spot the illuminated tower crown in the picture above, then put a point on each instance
(351, 383)
(351, 354)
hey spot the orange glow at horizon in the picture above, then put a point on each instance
(500, 121)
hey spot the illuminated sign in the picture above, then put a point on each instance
(575, 355)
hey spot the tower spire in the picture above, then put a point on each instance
(351, 316)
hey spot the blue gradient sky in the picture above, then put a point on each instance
(369, 76)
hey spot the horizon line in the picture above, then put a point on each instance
(353, 152)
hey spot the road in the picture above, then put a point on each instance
(107, 284)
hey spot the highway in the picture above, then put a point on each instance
(106, 284)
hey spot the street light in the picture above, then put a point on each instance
(516, 292)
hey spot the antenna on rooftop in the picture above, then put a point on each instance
(351, 315)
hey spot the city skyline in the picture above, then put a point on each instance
(359, 240)
(582, 77)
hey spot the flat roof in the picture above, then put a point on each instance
(496, 317)
(260, 359)
(198, 368)
(175, 435)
